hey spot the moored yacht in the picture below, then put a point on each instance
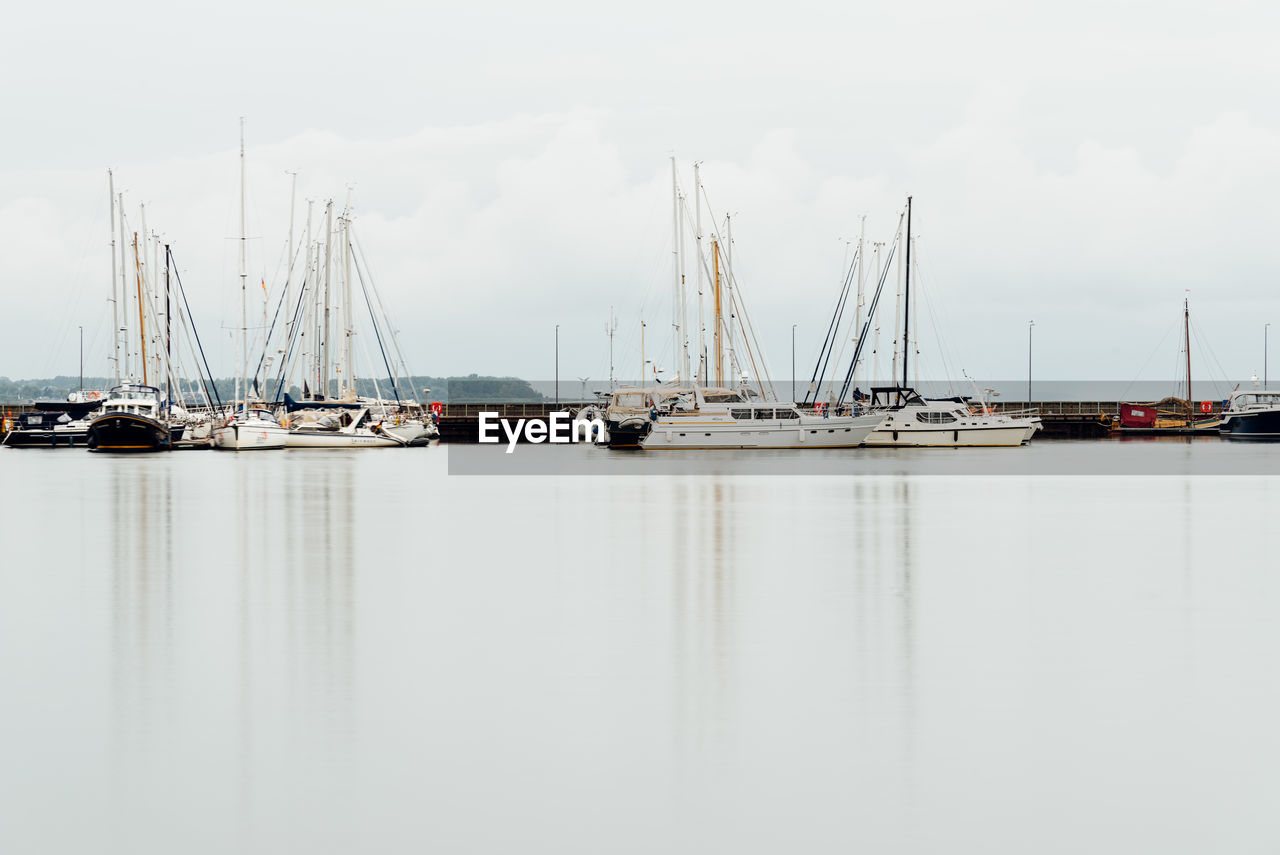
(131, 420)
(710, 417)
(908, 419)
(250, 428)
(1251, 415)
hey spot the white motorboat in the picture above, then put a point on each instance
(708, 418)
(1251, 415)
(905, 418)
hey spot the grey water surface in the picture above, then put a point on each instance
(355, 651)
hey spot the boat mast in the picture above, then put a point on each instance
(857, 305)
(324, 341)
(142, 326)
(1186, 321)
(715, 333)
(243, 382)
(168, 334)
(288, 281)
(348, 309)
(697, 237)
(906, 303)
(123, 331)
(676, 362)
(643, 364)
(734, 373)
(115, 293)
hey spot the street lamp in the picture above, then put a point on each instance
(82, 358)
(1266, 329)
(1030, 326)
(557, 365)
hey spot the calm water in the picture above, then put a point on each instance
(356, 652)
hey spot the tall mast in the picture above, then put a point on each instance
(115, 293)
(697, 237)
(906, 303)
(1186, 321)
(715, 334)
(644, 368)
(142, 327)
(168, 334)
(324, 341)
(288, 281)
(733, 357)
(857, 306)
(124, 292)
(348, 311)
(676, 363)
(244, 289)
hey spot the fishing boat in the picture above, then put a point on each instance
(1172, 415)
(132, 421)
(1251, 415)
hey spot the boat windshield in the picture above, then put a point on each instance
(1255, 400)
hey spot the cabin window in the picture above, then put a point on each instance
(786, 414)
(723, 398)
(935, 418)
(741, 414)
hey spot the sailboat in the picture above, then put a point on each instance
(247, 427)
(908, 419)
(325, 311)
(1171, 415)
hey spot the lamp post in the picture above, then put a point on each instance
(1266, 329)
(1030, 326)
(82, 358)
(793, 363)
(557, 365)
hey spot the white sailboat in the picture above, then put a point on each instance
(247, 427)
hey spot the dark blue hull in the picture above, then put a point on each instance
(1261, 425)
(47, 438)
(128, 432)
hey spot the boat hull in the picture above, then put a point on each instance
(914, 435)
(47, 438)
(128, 433)
(336, 439)
(1261, 425)
(249, 437)
(835, 432)
(627, 433)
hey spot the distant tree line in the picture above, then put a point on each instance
(473, 388)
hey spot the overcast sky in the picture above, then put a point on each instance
(1077, 164)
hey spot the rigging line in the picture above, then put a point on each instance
(359, 254)
(828, 342)
(1203, 342)
(1124, 394)
(751, 353)
(365, 290)
(290, 354)
(871, 313)
(183, 293)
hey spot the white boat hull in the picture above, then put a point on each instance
(337, 439)
(915, 435)
(248, 437)
(806, 432)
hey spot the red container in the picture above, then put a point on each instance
(1137, 415)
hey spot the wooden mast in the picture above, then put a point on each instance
(1186, 322)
